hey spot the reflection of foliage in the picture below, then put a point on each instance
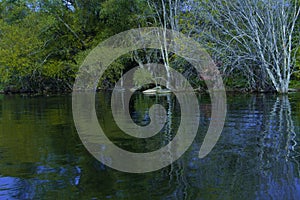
(142, 76)
(141, 107)
(31, 130)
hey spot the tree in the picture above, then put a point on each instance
(161, 13)
(168, 14)
(39, 44)
(252, 36)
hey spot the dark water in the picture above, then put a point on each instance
(257, 156)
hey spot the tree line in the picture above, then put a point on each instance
(255, 43)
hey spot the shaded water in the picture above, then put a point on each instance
(256, 157)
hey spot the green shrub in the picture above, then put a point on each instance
(142, 76)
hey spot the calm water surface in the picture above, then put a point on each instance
(257, 156)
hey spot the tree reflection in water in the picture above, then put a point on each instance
(257, 156)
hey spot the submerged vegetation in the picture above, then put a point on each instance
(253, 42)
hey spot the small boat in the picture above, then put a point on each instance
(156, 90)
(152, 91)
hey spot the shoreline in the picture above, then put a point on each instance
(47, 93)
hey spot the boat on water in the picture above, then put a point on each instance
(150, 91)
(156, 90)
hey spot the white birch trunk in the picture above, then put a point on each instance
(252, 35)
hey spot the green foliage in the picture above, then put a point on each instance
(141, 76)
(112, 74)
(119, 15)
(31, 59)
(236, 82)
(297, 73)
(295, 82)
(20, 47)
(43, 42)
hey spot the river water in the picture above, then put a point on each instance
(256, 157)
